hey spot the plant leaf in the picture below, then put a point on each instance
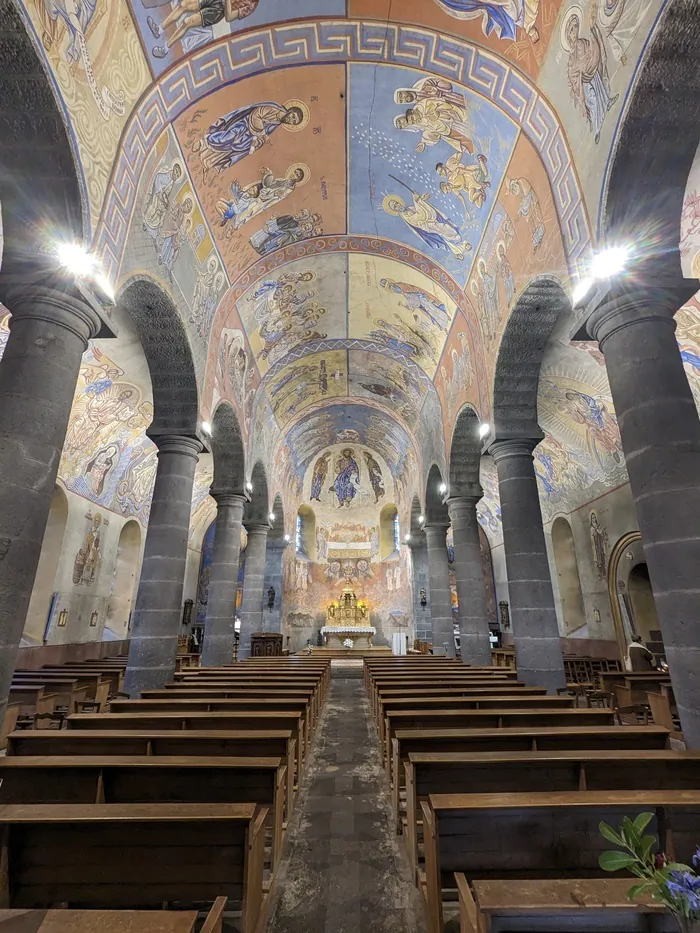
(641, 821)
(637, 889)
(609, 833)
(645, 847)
(630, 834)
(614, 861)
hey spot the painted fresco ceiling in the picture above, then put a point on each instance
(346, 206)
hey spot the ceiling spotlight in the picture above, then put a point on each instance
(581, 290)
(610, 262)
(442, 487)
(249, 486)
(421, 518)
(287, 538)
(272, 516)
(407, 537)
(206, 428)
(484, 429)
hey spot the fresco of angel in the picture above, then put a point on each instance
(438, 120)
(461, 179)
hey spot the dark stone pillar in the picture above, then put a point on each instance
(272, 618)
(49, 333)
(219, 630)
(534, 619)
(156, 619)
(253, 582)
(440, 599)
(421, 581)
(474, 631)
(660, 435)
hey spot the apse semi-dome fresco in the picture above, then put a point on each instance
(343, 204)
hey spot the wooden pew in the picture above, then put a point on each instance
(487, 719)
(96, 688)
(469, 702)
(176, 704)
(65, 690)
(135, 856)
(540, 835)
(111, 921)
(201, 692)
(449, 692)
(32, 699)
(519, 772)
(663, 708)
(223, 721)
(553, 738)
(407, 685)
(149, 779)
(584, 905)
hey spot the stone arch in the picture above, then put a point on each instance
(416, 527)
(517, 373)
(663, 105)
(435, 508)
(228, 451)
(124, 580)
(257, 510)
(568, 578)
(168, 352)
(42, 189)
(40, 603)
(465, 453)
(644, 615)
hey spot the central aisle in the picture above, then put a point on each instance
(345, 870)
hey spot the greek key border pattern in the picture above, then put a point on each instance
(337, 42)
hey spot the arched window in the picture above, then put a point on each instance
(126, 570)
(306, 532)
(566, 564)
(388, 531)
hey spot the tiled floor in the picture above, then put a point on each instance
(344, 870)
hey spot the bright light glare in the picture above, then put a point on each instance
(407, 537)
(610, 262)
(206, 428)
(76, 259)
(442, 487)
(421, 518)
(106, 286)
(272, 516)
(249, 486)
(484, 429)
(287, 538)
(582, 289)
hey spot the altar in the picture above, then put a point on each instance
(347, 622)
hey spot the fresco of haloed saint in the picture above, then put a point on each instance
(436, 155)
(263, 163)
(93, 50)
(456, 381)
(170, 30)
(181, 249)
(399, 308)
(399, 386)
(294, 305)
(311, 379)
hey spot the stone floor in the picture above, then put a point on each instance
(344, 870)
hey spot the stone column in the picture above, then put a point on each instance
(474, 631)
(440, 600)
(253, 582)
(156, 618)
(272, 618)
(219, 630)
(421, 581)
(49, 333)
(533, 616)
(660, 434)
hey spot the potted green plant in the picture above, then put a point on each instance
(675, 885)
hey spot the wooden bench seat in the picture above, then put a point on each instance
(407, 685)
(111, 921)
(488, 720)
(96, 687)
(135, 856)
(460, 687)
(428, 773)
(540, 835)
(218, 721)
(189, 744)
(440, 741)
(153, 779)
(180, 691)
(584, 905)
